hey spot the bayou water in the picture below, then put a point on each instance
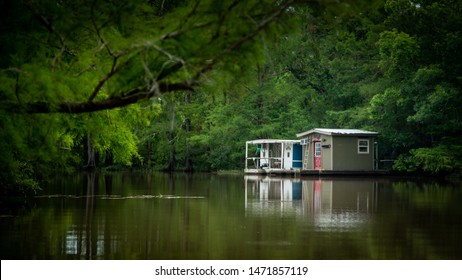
(204, 216)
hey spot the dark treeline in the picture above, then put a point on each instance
(181, 85)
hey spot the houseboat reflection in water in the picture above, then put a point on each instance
(329, 204)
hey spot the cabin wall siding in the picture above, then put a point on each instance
(326, 153)
(346, 156)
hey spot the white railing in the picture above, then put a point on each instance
(264, 162)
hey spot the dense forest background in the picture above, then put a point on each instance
(181, 85)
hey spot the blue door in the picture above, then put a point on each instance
(297, 156)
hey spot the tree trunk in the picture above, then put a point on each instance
(187, 127)
(109, 159)
(149, 153)
(90, 155)
(171, 139)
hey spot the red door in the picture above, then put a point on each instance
(317, 155)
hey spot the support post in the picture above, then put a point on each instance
(246, 154)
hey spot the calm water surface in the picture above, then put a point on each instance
(203, 216)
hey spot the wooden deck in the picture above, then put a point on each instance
(299, 172)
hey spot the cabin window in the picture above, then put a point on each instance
(317, 149)
(363, 146)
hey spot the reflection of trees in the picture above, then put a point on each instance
(108, 183)
(84, 239)
(405, 220)
(86, 236)
(112, 227)
(354, 219)
(110, 242)
(423, 220)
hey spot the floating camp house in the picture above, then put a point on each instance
(317, 150)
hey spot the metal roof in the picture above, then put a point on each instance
(336, 131)
(264, 141)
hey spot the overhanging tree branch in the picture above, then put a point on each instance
(52, 30)
(166, 78)
(128, 98)
(236, 45)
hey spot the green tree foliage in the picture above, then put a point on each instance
(425, 96)
(441, 159)
(85, 56)
(398, 52)
(209, 75)
(351, 65)
(64, 58)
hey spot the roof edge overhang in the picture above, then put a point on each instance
(269, 141)
(338, 132)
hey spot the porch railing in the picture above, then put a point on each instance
(264, 162)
